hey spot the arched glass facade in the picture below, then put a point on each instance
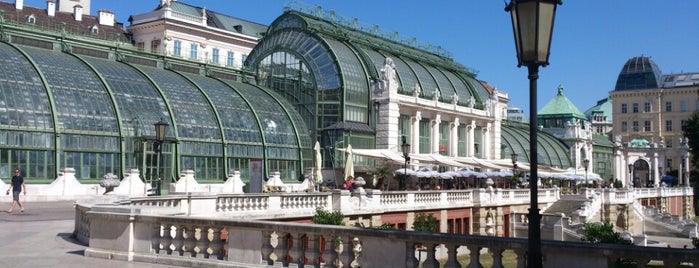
(96, 115)
(326, 70)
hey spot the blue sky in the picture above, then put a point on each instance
(591, 42)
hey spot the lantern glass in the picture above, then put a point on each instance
(532, 24)
(160, 130)
(586, 163)
(405, 147)
(513, 156)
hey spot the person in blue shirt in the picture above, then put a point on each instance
(17, 186)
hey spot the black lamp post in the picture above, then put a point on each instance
(513, 156)
(532, 24)
(405, 148)
(160, 131)
(586, 163)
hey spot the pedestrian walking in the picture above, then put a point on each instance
(17, 186)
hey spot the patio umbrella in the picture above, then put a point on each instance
(319, 164)
(349, 165)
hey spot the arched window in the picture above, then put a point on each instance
(31, 19)
(94, 29)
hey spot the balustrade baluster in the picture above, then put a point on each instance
(521, 257)
(411, 252)
(200, 245)
(295, 248)
(475, 253)
(431, 257)
(312, 249)
(339, 248)
(167, 238)
(451, 250)
(213, 238)
(325, 248)
(178, 240)
(189, 242)
(497, 257)
(157, 238)
(268, 249)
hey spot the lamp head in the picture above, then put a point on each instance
(160, 130)
(586, 163)
(532, 24)
(405, 148)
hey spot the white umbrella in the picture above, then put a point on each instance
(349, 165)
(319, 164)
(405, 171)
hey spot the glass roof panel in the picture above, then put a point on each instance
(446, 89)
(81, 101)
(23, 99)
(192, 112)
(462, 89)
(551, 151)
(355, 85)
(427, 83)
(276, 125)
(407, 77)
(138, 101)
(482, 92)
(239, 123)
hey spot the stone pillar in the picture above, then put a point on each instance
(454, 138)
(471, 128)
(486, 142)
(656, 177)
(415, 142)
(434, 140)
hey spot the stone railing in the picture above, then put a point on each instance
(124, 234)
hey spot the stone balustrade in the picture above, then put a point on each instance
(124, 234)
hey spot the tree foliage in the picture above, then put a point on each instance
(691, 132)
(330, 218)
(425, 222)
(603, 233)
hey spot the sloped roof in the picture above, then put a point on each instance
(551, 151)
(560, 105)
(604, 106)
(219, 20)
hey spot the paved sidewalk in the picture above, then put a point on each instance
(41, 237)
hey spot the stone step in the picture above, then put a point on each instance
(566, 205)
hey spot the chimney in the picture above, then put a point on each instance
(106, 17)
(51, 8)
(78, 12)
(19, 4)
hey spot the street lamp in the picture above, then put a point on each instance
(160, 131)
(513, 156)
(532, 24)
(405, 148)
(586, 163)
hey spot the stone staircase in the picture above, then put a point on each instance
(567, 205)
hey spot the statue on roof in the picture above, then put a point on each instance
(437, 94)
(417, 90)
(560, 89)
(388, 73)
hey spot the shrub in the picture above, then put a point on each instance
(695, 242)
(330, 218)
(386, 226)
(425, 222)
(603, 233)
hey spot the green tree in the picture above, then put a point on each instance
(330, 218)
(603, 233)
(691, 132)
(425, 222)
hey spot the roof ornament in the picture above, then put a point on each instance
(560, 90)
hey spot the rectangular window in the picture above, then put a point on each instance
(462, 140)
(624, 108)
(403, 129)
(635, 126)
(635, 108)
(444, 130)
(646, 107)
(244, 58)
(683, 125)
(177, 50)
(624, 126)
(668, 106)
(154, 46)
(214, 55)
(683, 106)
(193, 51)
(425, 130)
(646, 126)
(668, 125)
(229, 59)
(141, 46)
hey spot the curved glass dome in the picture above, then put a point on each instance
(552, 152)
(638, 73)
